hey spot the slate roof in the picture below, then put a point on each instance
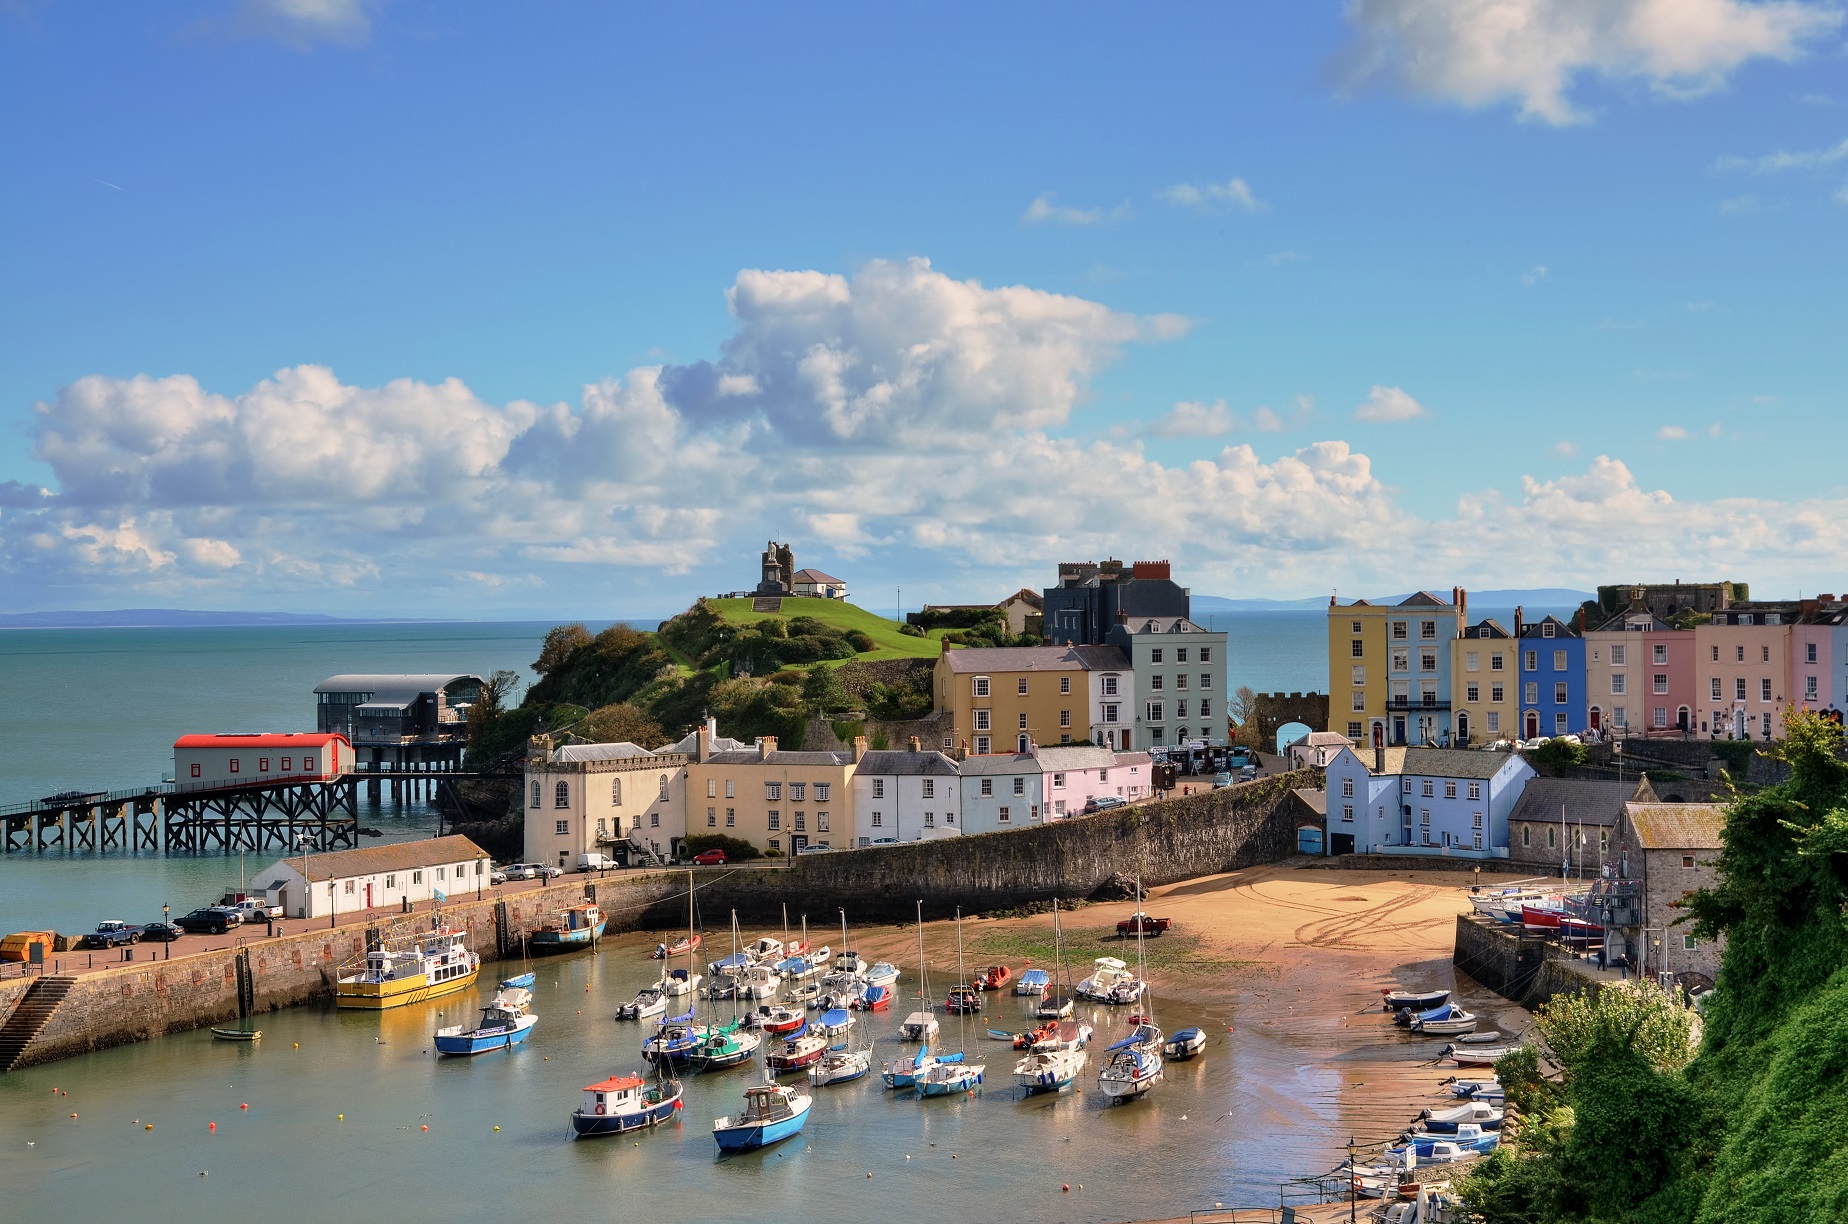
(1677, 826)
(1493, 626)
(600, 752)
(997, 763)
(1586, 800)
(1422, 599)
(1441, 762)
(815, 576)
(914, 764)
(1035, 658)
(1063, 757)
(1315, 800)
(780, 757)
(392, 856)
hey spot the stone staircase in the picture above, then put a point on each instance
(767, 604)
(30, 1018)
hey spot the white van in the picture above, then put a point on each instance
(596, 862)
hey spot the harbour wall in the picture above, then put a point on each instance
(1529, 971)
(1176, 839)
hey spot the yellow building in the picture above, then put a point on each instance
(776, 800)
(1005, 699)
(1485, 697)
(1389, 668)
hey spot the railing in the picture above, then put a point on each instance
(1406, 703)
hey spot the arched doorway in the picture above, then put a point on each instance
(1379, 734)
(1684, 719)
(1288, 734)
(1597, 718)
(1531, 725)
(1463, 726)
(1022, 745)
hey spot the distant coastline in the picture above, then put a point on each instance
(176, 618)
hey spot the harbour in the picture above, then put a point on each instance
(1281, 968)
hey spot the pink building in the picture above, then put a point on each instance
(1073, 776)
(1640, 677)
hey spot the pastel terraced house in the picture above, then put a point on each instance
(1484, 678)
(1389, 668)
(1425, 801)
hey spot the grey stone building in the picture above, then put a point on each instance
(1665, 851)
(1569, 823)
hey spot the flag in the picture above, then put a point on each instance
(439, 895)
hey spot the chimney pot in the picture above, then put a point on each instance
(859, 748)
(916, 746)
(766, 744)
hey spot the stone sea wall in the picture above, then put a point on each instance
(1528, 971)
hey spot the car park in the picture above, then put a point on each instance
(714, 857)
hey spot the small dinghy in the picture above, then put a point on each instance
(624, 1103)
(1491, 1037)
(649, 1001)
(519, 981)
(1457, 1021)
(228, 1034)
(995, 977)
(1400, 1000)
(1477, 1056)
(1184, 1044)
(680, 947)
(840, 1067)
(873, 998)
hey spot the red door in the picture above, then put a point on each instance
(1597, 716)
(368, 896)
(1533, 726)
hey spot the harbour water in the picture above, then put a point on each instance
(1208, 1134)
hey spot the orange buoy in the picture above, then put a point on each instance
(211, 1126)
(245, 1105)
(149, 1126)
(1067, 1188)
(73, 1115)
(426, 1128)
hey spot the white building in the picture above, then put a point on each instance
(1317, 749)
(1448, 801)
(905, 796)
(1002, 791)
(350, 881)
(1113, 697)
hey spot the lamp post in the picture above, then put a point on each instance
(1353, 1182)
(301, 843)
(1476, 888)
(166, 947)
(331, 903)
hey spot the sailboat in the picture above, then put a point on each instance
(1053, 1060)
(1056, 1000)
(1134, 1064)
(921, 1025)
(841, 1066)
(945, 1078)
(728, 1045)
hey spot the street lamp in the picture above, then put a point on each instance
(1353, 1181)
(166, 947)
(1476, 888)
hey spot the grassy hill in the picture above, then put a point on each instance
(844, 616)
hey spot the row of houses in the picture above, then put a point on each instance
(597, 798)
(1419, 672)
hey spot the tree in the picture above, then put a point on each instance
(621, 722)
(822, 692)
(490, 703)
(1559, 755)
(560, 644)
(1242, 707)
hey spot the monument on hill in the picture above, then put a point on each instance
(779, 570)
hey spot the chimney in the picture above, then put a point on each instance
(1517, 621)
(766, 744)
(914, 744)
(1379, 759)
(859, 748)
(702, 741)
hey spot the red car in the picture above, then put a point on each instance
(710, 858)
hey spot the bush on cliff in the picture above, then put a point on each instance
(737, 850)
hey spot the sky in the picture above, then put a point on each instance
(418, 308)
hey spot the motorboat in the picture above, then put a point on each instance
(1054, 1007)
(519, 981)
(840, 1067)
(1469, 1087)
(1048, 1070)
(1109, 974)
(1185, 1044)
(779, 1019)
(572, 928)
(772, 1112)
(1032, 982)
(757, 982)
(764, 948)
(1070, 1035)
(1401, 1000)
(834, 1000)
(1028, 1039)
(943, 1078)
(833, 1026)
(851, 963)
(1407, 1017)
(674, 1040)
(808, 994)
(804, 966)
(883, 973)
(648, 1001)
(1130, 1072)
(1477, 1056)
(504, 1023)
(677, 982)
(918, 1026)
(416, 968)
(680, 947)
(797, 1054)
(624, 1103)
(1442, 1121)
(1457, 1021)
(842, 982)
(994, 977)
(963, 1001)
(872, 998)
(1468, 1137)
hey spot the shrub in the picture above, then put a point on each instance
(737, 850)
(861, 640)
(910, 630)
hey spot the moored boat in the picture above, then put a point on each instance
(797, 1054)
(427, 965)
(677, 982)
(624, 1103)
(1456, 1021)
(1048, 1070)
(674, 1040)
(574, 927)
(765, 948)
(873, 998)
(883, 973)
(1070, 1035)
(648, 1001)
(1108, 974)
(1032, 982)
(679, 947)
(905, 1072)
(757, 982)
(834, 1026)
(1477, 1056)
(1130, 1072)
(730, 1045)
(772, 1112)
(1185, 1044)
(231, 1034)
(995, 977)
(520, 981)
(943, 1078)
(504, 1023)
(1468, 1137)
(1400, 1000)
(1446, 1121)
(962, 1001)
(779, 1019)
(840, 1067)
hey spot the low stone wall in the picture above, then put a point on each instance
(145, 998)
(1177, 839)
(1526, 970)
(1412, 864)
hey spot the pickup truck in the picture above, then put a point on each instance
(1150, 926)
(252, 910)
(111, 933)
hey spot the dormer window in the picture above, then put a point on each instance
(1483, 632)
(1546, 629)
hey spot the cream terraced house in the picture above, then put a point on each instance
(592, 798)
(1484, 691)
(777, 800)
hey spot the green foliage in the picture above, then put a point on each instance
(1687, 618)
(845, 730)
(747, 708)
(621, 722)
(1635, 1015)
(1737, 754)
(560, 644)
(737, 850)
(822, 692)
(861, 641)
(488, 711)
(910, 630)
(956, 618)
(1559, 755)
(880, 742)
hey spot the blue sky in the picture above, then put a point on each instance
(330, 305)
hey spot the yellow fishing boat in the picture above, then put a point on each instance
(427, 965)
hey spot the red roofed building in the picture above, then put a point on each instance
(211, 762)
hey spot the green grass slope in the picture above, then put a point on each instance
(844, 616)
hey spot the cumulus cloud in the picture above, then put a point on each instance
(1269, 420)
(304, 23)
(1388, 405)
(1043, 210)
(1232, 195)
(1565, 450)
(1671, 433)
(1530, 52)
(1191, 419)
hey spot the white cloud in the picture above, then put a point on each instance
(1533, 276)
(1738, 205)
(1269, 420)
(1485, 52)
(303, 23)
(1671, 433)
(1043, 210)
(1387, 405)
(1190, 419)
(1802, 159)
(1564, 450)
(1233, 194)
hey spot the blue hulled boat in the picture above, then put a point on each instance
(675, 1041)
(772, 1112)
(520, 981)
(624, 1103)
(577, 926)
(505, 1023)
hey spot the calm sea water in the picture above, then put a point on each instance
(1210, 1133)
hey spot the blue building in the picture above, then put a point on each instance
(1552, 674)
(1425, 801)
(1418, 636)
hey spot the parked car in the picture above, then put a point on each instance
(1102, 803)
(883, 841)
(546, 871)
(162, 932)
(253, 910)
(714, 857)
(111, 933)
(816, 850)
(1221, 779)
(521, 871)
(1248, 773)
(595, 862)
(208, 920)
(497, 876)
